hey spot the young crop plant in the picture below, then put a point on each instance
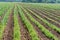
(46, 22)
(16, 26)
(29, 26)
(41, 27)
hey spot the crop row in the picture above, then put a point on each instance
(46, 22)
(41, 7)
(4, 22)
(41, 27)
(49, 13)
(29, 26)
(50, 18)
(47, 17)
(16, 26)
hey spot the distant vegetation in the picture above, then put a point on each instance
(42, 1)
(35, 1)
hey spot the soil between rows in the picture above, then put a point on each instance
(39, 13)
(54, 12)
(8, 32)
(44, 13)
(47, 27)
(39, 32)
(1, 17)
(50, 16)
(24, 31)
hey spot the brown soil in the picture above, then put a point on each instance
(39, 13)
(47, 27)
(39, 32)
(8, 32)
(24, 31)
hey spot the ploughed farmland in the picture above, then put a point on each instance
(29, 21)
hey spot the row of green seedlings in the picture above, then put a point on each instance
(49, 13)
(4, 22)
(29, 26)
(55, 27)
(16, 26)
(41, 27)
(46, 10)
(46, 22)
(50, 19)
(43, 8)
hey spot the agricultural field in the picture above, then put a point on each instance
(29, 21)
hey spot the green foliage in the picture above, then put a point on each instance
(29, 26)
(4, 21)
(16, 26)
(46, 22)
(41, 27)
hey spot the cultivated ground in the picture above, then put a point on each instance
(29, 21)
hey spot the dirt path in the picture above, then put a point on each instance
(8, 32)
(24, 31)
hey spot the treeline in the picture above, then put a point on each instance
(42, 1)
(35, 1)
